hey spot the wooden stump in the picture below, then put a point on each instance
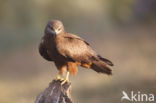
(55, 93)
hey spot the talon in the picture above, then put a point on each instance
(64, 81)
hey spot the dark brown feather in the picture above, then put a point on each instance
(43, 52)
(106, 60)
(72, 46)
(101, 67)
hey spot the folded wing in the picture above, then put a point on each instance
(75, 48)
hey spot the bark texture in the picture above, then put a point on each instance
(55, 93)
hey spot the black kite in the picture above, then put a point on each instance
(69, 51)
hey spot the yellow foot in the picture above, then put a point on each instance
(58, 77)
(64, 81)
(61, 79)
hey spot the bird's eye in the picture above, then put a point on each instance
(50, 27)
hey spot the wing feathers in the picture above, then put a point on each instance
(106, 60)
(43, 52)
(71, 46)
(101, 67)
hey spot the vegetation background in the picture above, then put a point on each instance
(123, 31)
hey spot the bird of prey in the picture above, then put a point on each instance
(69, 51)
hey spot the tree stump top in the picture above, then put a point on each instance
(55, 93)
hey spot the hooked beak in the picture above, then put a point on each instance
(51, 31)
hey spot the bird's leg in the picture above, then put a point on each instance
(66, 78)
(58, 76)
(60, 73)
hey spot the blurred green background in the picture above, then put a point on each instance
(123, 31)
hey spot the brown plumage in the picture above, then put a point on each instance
(69, 51)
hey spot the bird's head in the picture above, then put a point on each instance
(54, 27)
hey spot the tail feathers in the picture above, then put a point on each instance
(101, 67)
(106, 60)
